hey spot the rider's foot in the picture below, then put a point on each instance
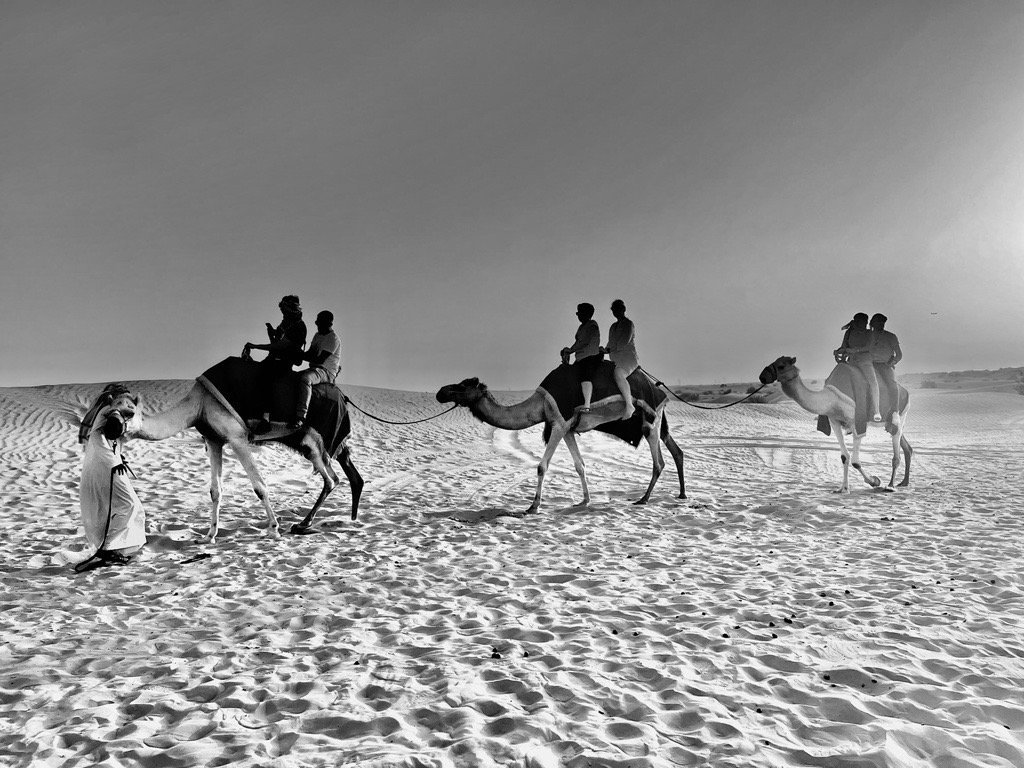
(296, 423)
(876, 417)
(628, 414)
(262, 427)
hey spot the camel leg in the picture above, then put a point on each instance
(896, 438)
(581, 470)
(677, 456)
(330, 478)
(245, 457)
(557, 432)
(871, 480)
(654, 440)
(215, 451)
(837, 430)
(907, 453)
(355, 480)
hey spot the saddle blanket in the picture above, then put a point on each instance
(253, 389)
(563, 384)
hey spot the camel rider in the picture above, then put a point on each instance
(886, 353)
(287, 339)
(856, 350)
(324, 356)
(621, 348)
(587, 349)
(284, 349)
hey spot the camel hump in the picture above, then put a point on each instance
(563, 384)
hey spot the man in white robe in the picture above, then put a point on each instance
(112, 515)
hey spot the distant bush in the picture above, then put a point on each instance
(1020, 389)
(929, 384)
(757, 399)
(726, 391)
(689, 397)
(752, 389)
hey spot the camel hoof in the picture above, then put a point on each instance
(640, 503)
(875, 481)
(303, 530)
(274, 533)
(904, 484)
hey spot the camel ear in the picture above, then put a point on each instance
(137, 400)
(473, 383)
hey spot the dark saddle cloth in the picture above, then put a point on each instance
(254, 388)
(850, 381)
(563, 384)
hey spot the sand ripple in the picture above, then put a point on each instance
(763, 622)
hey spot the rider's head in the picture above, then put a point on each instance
(324, 320)
(860, 320)
(289, 305)
(878, 320)
(584, 311)
(618, 307)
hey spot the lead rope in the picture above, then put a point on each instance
(386, 421)
(662, 384)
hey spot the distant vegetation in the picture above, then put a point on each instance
(929, 384)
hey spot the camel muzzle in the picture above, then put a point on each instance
(114, 426)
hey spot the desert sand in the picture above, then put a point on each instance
(763, 621)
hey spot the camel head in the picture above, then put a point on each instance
(466, 392)
(121, 416)
(782, 369)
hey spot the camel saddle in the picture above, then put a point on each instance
(850, 381)
(563, 384)
(253, 388)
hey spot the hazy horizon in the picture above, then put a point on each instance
(451, 179)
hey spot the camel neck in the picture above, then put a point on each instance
(177, 418)
(518, 416)
(814, 400)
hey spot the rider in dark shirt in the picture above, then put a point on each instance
(857, 349)
(284, 351)
(885, 354)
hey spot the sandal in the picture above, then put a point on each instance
(111, 557)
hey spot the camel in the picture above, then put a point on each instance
(648, 421)
(220, 426)
(834, 403)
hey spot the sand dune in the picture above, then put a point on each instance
(764, 621)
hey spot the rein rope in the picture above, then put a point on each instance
(662, 384)
(387, 421)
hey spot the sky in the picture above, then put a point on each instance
(452, 178)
